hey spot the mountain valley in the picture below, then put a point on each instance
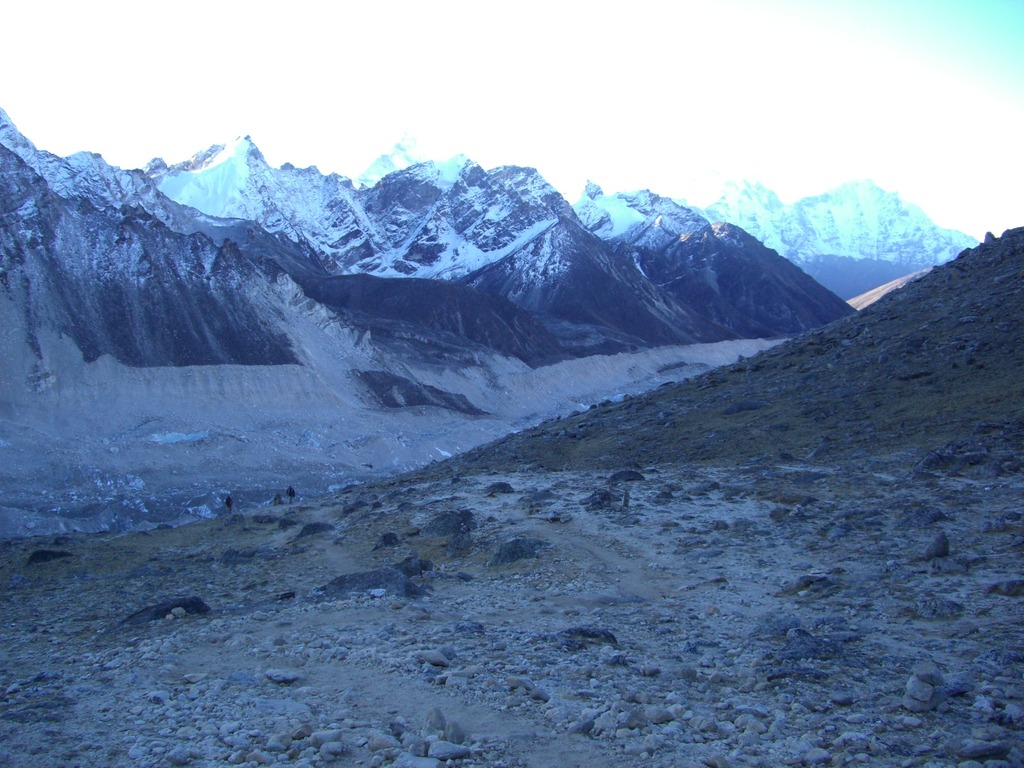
(219, 326)
(809, 557)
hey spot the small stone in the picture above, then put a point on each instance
(436, 721)
(817, 756)
(455, 733)
(939, 547)
(282, 676)
(975, 749)
(279, 742)
(434, 658)
(495, 489)
(515, 682)
(445, 750)
(716, 761)
(378, 741)
(319, 738)
(260, 758)
(405, 760)
(920, 690)
(659, 716)
(928, 672)
(332, 749)
(584, 726)
(178, 756)
(1012, 588)
(915, 705)
(636, 720)
(959, 683)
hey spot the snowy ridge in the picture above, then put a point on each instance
(235, 182)
(639, 218)
(857, 220)
(460, 257)
(427, 219)
(87, 175)
(404, 154)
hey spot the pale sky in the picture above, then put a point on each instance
(924, 97)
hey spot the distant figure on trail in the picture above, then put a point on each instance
(291, 494)
(278, 501)
(228, 502)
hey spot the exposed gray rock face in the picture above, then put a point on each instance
(118, 282)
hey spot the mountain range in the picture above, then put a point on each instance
(219, 305)
(507, 233)
(851, 239)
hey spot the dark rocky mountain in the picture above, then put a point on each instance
(102, 256)
(739, 283)
(571, 276)
(118, 282)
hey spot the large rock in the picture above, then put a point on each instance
(391, 580)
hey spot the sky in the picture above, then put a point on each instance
(923, 97)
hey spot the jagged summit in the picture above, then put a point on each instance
(851, 239)
(405, 153)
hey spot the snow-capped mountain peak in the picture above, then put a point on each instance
(404, 154)
(636, 217)
(857, 220)
(216, 180)
(850, 238)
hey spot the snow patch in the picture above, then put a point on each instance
(169, 438)
(203, 512)
(214, 188)
(621, 216)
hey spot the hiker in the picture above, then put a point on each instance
(228, 502)
(291, 494)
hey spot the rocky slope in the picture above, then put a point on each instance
(933, 362)
(811, 557)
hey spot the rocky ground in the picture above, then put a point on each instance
(812, 557)
(803, 615)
